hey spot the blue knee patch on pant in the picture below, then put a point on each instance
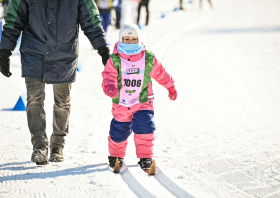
(142, 122)
(119, 131)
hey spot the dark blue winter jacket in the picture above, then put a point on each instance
(50, 29)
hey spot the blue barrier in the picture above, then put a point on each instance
(79, 66)
(163, 15)
(21, 103)
(175, 9)
(141, 26)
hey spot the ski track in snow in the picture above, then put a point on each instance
(170, 185)
(134, 185)
(140, 191)
(220, 138)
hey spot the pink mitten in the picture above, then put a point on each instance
(172, 93)
(112, 91)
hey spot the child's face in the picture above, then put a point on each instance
(130, 39)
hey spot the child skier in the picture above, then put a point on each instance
(127, 79)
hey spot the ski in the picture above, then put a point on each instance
(117, 168)
(153, 168)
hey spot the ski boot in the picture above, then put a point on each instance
(148, 165)
(56, 155)
(40, 156)
(115, 163)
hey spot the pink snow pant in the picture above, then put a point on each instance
(138, 119)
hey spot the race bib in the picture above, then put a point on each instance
(132, 81)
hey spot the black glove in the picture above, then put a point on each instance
(104, 52)
(5, 62)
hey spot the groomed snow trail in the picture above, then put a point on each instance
(220, 138)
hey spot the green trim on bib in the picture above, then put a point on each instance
(117, 64)
(149, 60)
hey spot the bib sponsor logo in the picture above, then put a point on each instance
(133, 101)
(130, 91)
(133, 71)
(123, 102)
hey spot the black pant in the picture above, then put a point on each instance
(181, 4)
(143, 3)
(118, 16)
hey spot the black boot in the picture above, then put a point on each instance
(112, 161)
(56, 155)
(145, 163)
(40, 156)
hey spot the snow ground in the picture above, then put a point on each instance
(220, 138)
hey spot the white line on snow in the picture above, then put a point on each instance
(133, 184)
(170, 185)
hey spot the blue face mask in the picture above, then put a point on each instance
(130, 49)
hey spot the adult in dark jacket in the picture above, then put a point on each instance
(118, 14)
(49, 54)
(181, 5)
(5, 4)
(146, 4)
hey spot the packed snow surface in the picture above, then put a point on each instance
(220, 138)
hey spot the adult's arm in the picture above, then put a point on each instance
(17, 16)
(91, 24)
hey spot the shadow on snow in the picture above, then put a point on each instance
(70, 171)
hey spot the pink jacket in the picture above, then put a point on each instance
(110, 73)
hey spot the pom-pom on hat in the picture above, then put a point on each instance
(129, 29)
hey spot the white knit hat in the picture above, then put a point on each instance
(129, 29)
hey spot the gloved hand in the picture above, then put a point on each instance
(172, 93)
(111, 90)
(104, 52)
(5, 62)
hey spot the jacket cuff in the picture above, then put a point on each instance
(104, 49)
(5, 52)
